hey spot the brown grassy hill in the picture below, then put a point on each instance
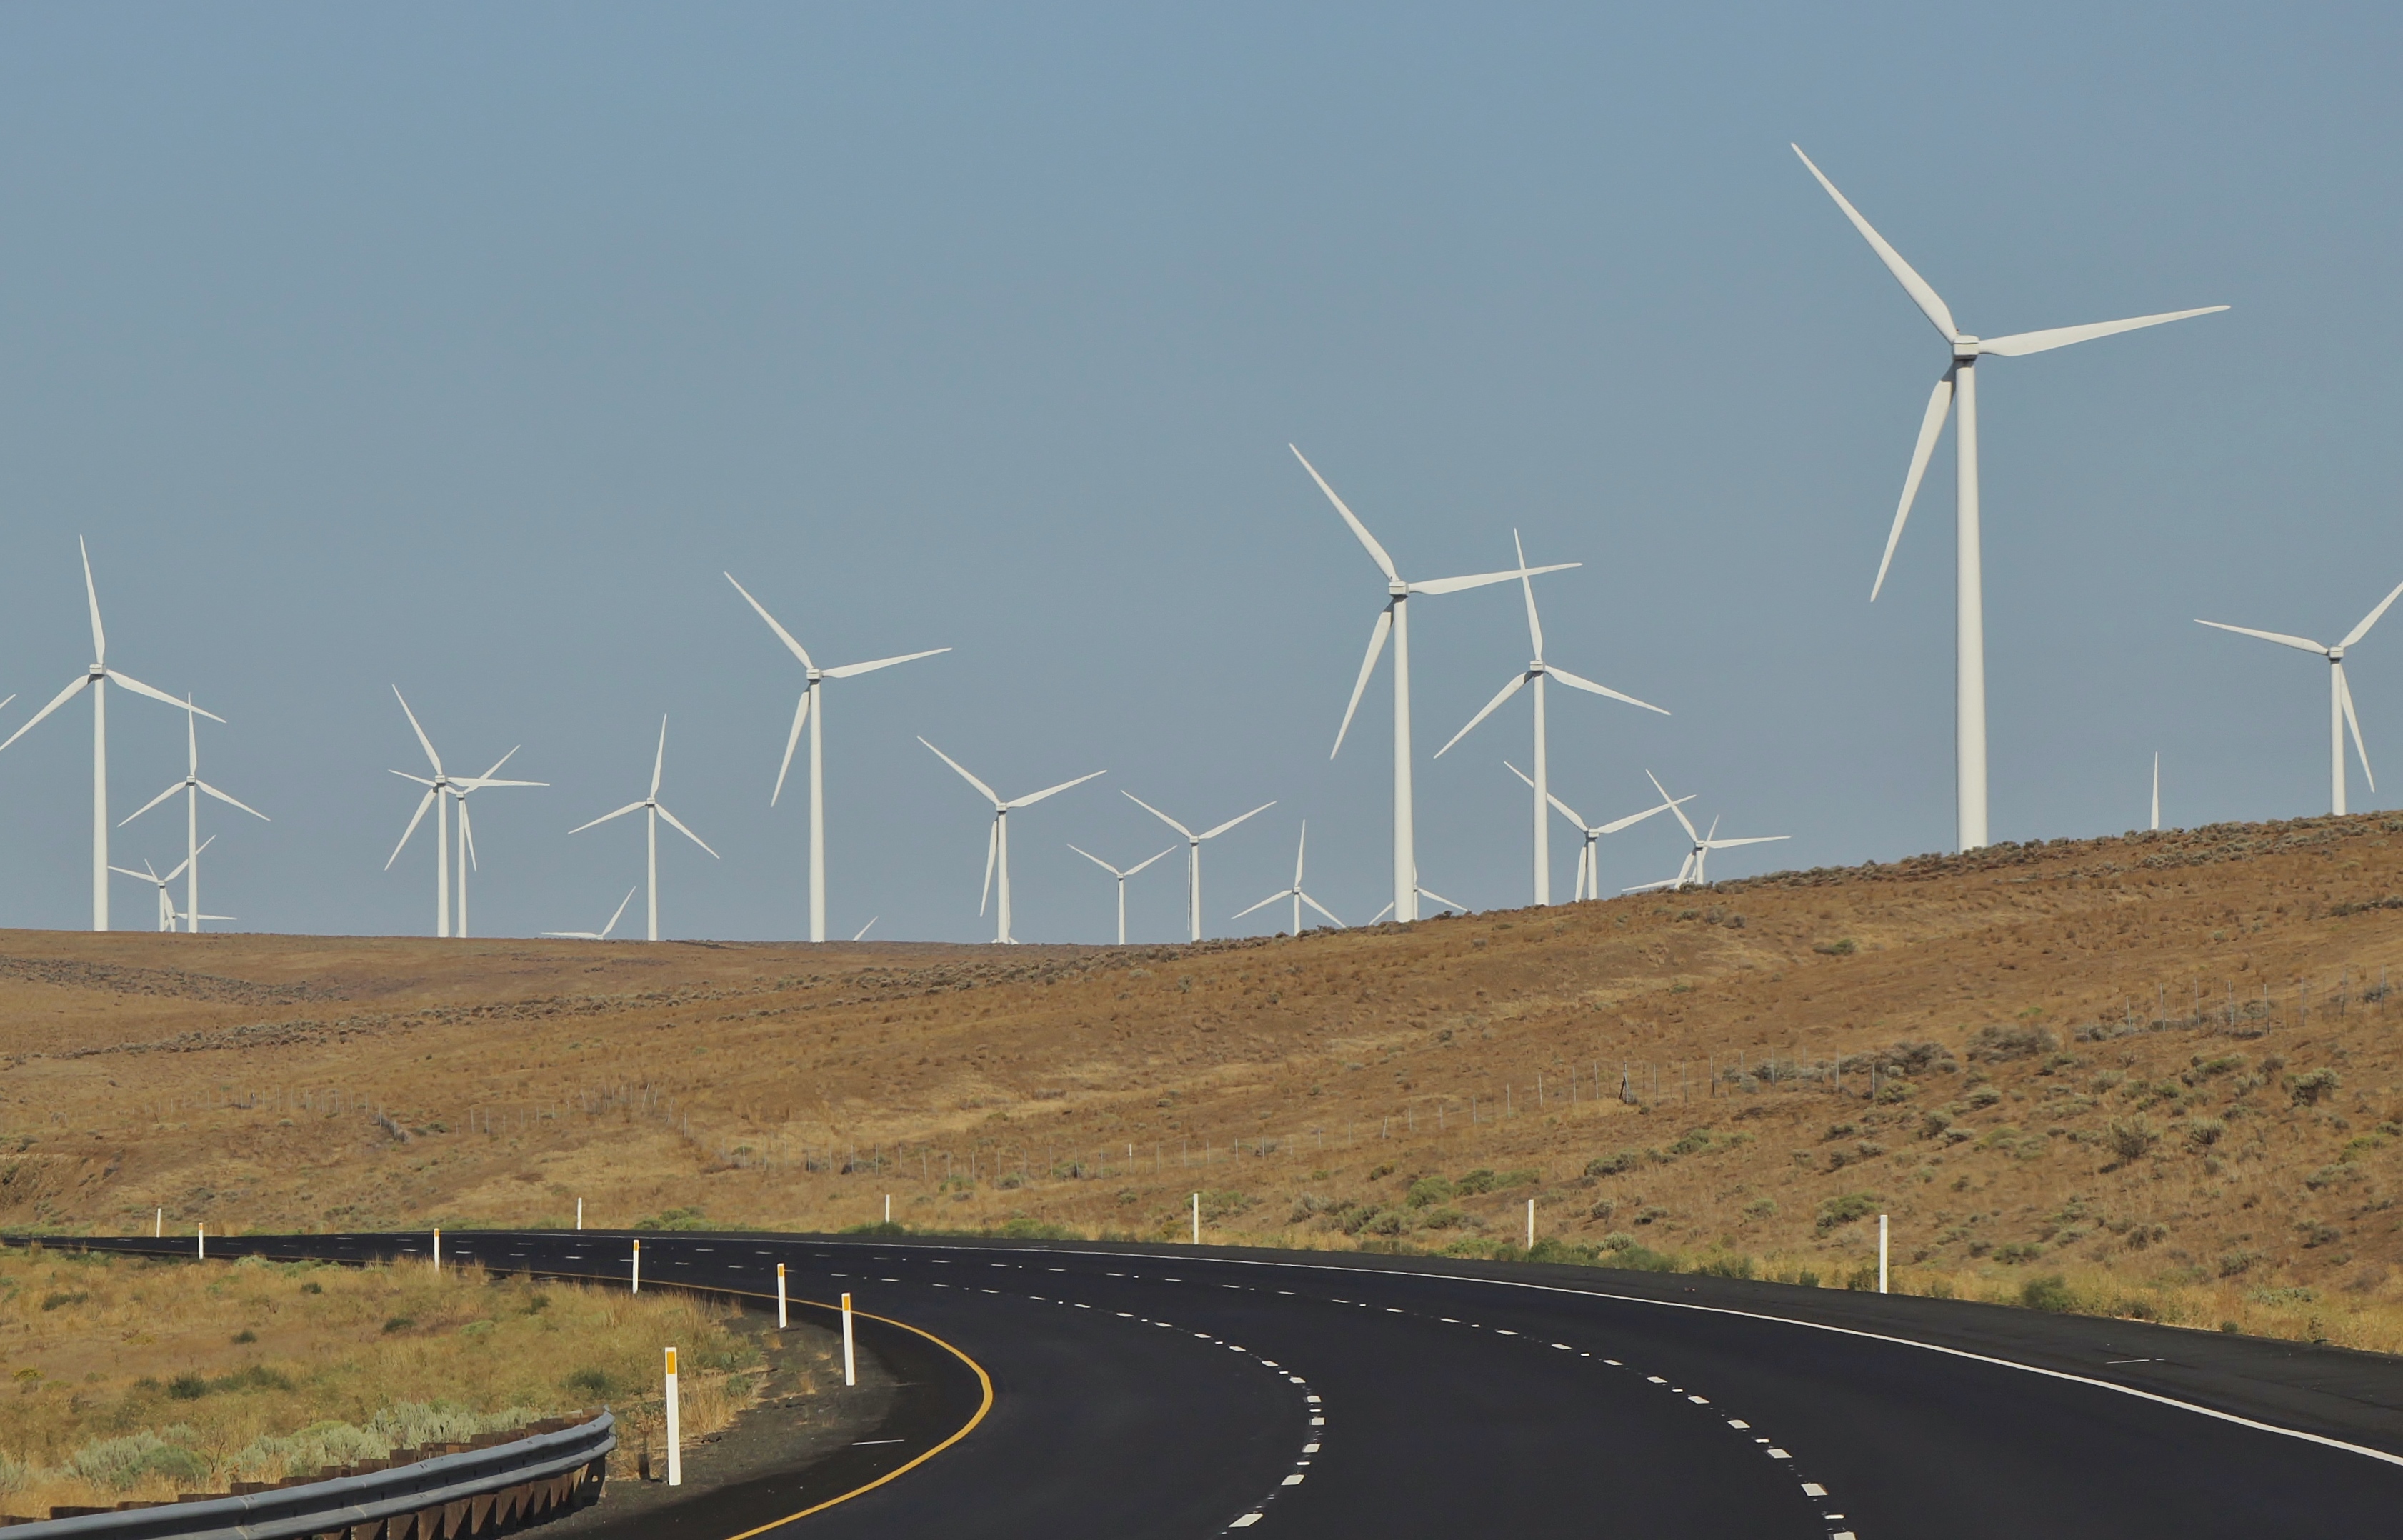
(2158, 1067)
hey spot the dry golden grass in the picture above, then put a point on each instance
(134, 1379)
(266, 1083)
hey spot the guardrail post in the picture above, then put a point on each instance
(850, 1369)
(675, 1428)
(638, 1265)
(780, 1321)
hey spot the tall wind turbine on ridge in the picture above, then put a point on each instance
(440, 787)
(997, 847)
(1691, 872)
(191, 785)
(1193, 855)
(1535, 672)
(96, 679)
(654, 809)
(812, 711)
(1114, 871)
(2341, 712)
(1300, 848)
(1588, 871)
(1961, 379)
(1395, 620)
(460, 788)
(167, 915)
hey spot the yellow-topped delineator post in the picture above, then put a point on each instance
(676, 1427)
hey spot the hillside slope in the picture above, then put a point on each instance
(2156, 1063)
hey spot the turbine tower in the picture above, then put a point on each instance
(96, 679)
(1691, 874)
(812, 711)
(1301, 847)
(1395, 620)
(2341, 712)
(460, 788)
(1588, 871)
(191, 785)
(1193, 855)
(1114, 871)
(1535, 672)
(996, 848)
(653, 809)
(1961, 379)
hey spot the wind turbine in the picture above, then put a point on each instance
(602, 933)
(812, 711)
(1122, 877)
(1691, 873)
(460, 788)
(2341, 712)
(1535, 672)
(1295, 893)
(996, 849)
(1588, 871)
(653, 811)
(1970, 601)
(191, 785)
(1395, 620)
(1192, 855)
(167, 915)
(96, 679)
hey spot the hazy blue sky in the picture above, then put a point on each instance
(462, 347)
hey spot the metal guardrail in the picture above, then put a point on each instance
(453, 1496)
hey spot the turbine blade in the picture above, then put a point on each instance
(421, 780)
(154, 802)
(1566, 812)
(1095, 859)
(1527, 587)
(2358, 632)
(56, 701)
(1233, 822)
(1480, 579)
(1300, 850)
(659, 760)
(467, 836)
(990, 795)
(1692, 833)
(1377, 635)
(221, 796)
(1146, 861)
(2302, 644)
(1939, 406)
(1156, 814)
(138, 687)
(1635, 818)
(1518, 681)
(481, 782)
(1923, 293)
(424, 741)
(621, 911)
(1574, 681)
(792, 741)
(677, 825)
(862, 935)
(1376, 551)
(1430, 893)
(486, 779)
(1748, 839)
(852, 671)
(782, 636)
(1382, 912)
(630, 807)
(416, 818)
(2344, 693)
(1054, 791)
(1323, 909)
(574, 934)
(92, 595)
(2020, 344)
(1520, 773)
(991, 844)
(1263, 903)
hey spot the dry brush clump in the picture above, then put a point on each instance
(131, 1379)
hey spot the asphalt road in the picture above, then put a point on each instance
(1142, 1391)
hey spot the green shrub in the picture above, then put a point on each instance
(1442, 1217)
(122, 1464)
(1428, 1190)
(1842, 947)
(1845, 1208)
(2308, 1089)
(1612, 1165)
(54, 1301)
(690, 1218)
(591, 1380)
(1863, 1279)
(1980, 1097)
(2204, 1132)
(2131, 1138)
(1726, 1265)
(1997, 1042)
(188, 1386)
(1471, 1183)
(2047, 1292)
(1761, 1208)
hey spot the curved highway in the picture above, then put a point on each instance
(1141, 1392)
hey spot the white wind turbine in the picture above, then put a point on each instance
(1394, 620)
(653, 811)
(1301, 847)
(191, 785)
(1193, 855)
(1114, 871)
(1535, 672)
(1418, 892)
(1970, 601)
(996, 849)
(96, 679)
(812, 711)
(167, 915)
(1691, 874)
(1588, 871)
(602, 933)
(460, 788)
(2340, 695)
(440, 787)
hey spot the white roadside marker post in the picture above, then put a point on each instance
(888, 1208)
(1531, 1224)
(850, 1368)
(159, 1225)
(579, 1214)
(675, 1428)
(1197, 1218)
(638, 1267)
(1881, 1253)
(201, 1240)
(437, 1249)
(781, 1321)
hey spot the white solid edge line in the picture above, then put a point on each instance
(2157, 1399)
